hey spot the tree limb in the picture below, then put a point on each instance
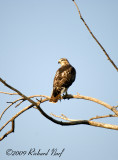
(20, 99)
(108, 57)
(17, 91)
(78, 96)
(9, 93)
(87, 122)
(10, 131)
(71, 122)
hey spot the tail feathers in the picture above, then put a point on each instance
(54, 99)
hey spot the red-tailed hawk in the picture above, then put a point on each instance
(63, 79)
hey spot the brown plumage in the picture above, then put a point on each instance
(63, 79)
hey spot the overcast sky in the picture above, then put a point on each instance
(34, 35)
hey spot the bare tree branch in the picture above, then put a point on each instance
(9, 93)
(10, 131)
(78, 96)
(22, 95)
(63, 117)
(12, 103)
(108, 57)
(11, 120)
(87, 122)
(33, 96)
(8, 107)
(105, 116)
(37, 106)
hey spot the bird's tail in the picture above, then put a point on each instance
(54, 99)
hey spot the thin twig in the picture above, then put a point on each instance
(22, 98)
(17, 91)
(63, 117)
(19, 103)
(105, 116)
(108, 57)
(12, 103)
(7, 109)
(9, 93)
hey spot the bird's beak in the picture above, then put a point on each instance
(59, 61)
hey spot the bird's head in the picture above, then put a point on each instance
(63, 61)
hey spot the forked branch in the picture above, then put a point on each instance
(87, 122)
(10, 131)
(46, 98)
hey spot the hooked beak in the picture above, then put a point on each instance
(59, 61)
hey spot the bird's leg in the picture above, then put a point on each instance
(65, 95)
(60, 98)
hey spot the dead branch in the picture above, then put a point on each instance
(105, 116)
(18, 92)
(63, 117)
(12, 103)
(33, 96)
(10, 131)
(12, 120)
(37, 106)
(9, 93)
(88, 122)
(8, 108)
(78, 96)
(108, 57)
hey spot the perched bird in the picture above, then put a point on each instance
(63, 79)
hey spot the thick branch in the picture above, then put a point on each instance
(108, 57)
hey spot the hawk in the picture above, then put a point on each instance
(63, 79)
